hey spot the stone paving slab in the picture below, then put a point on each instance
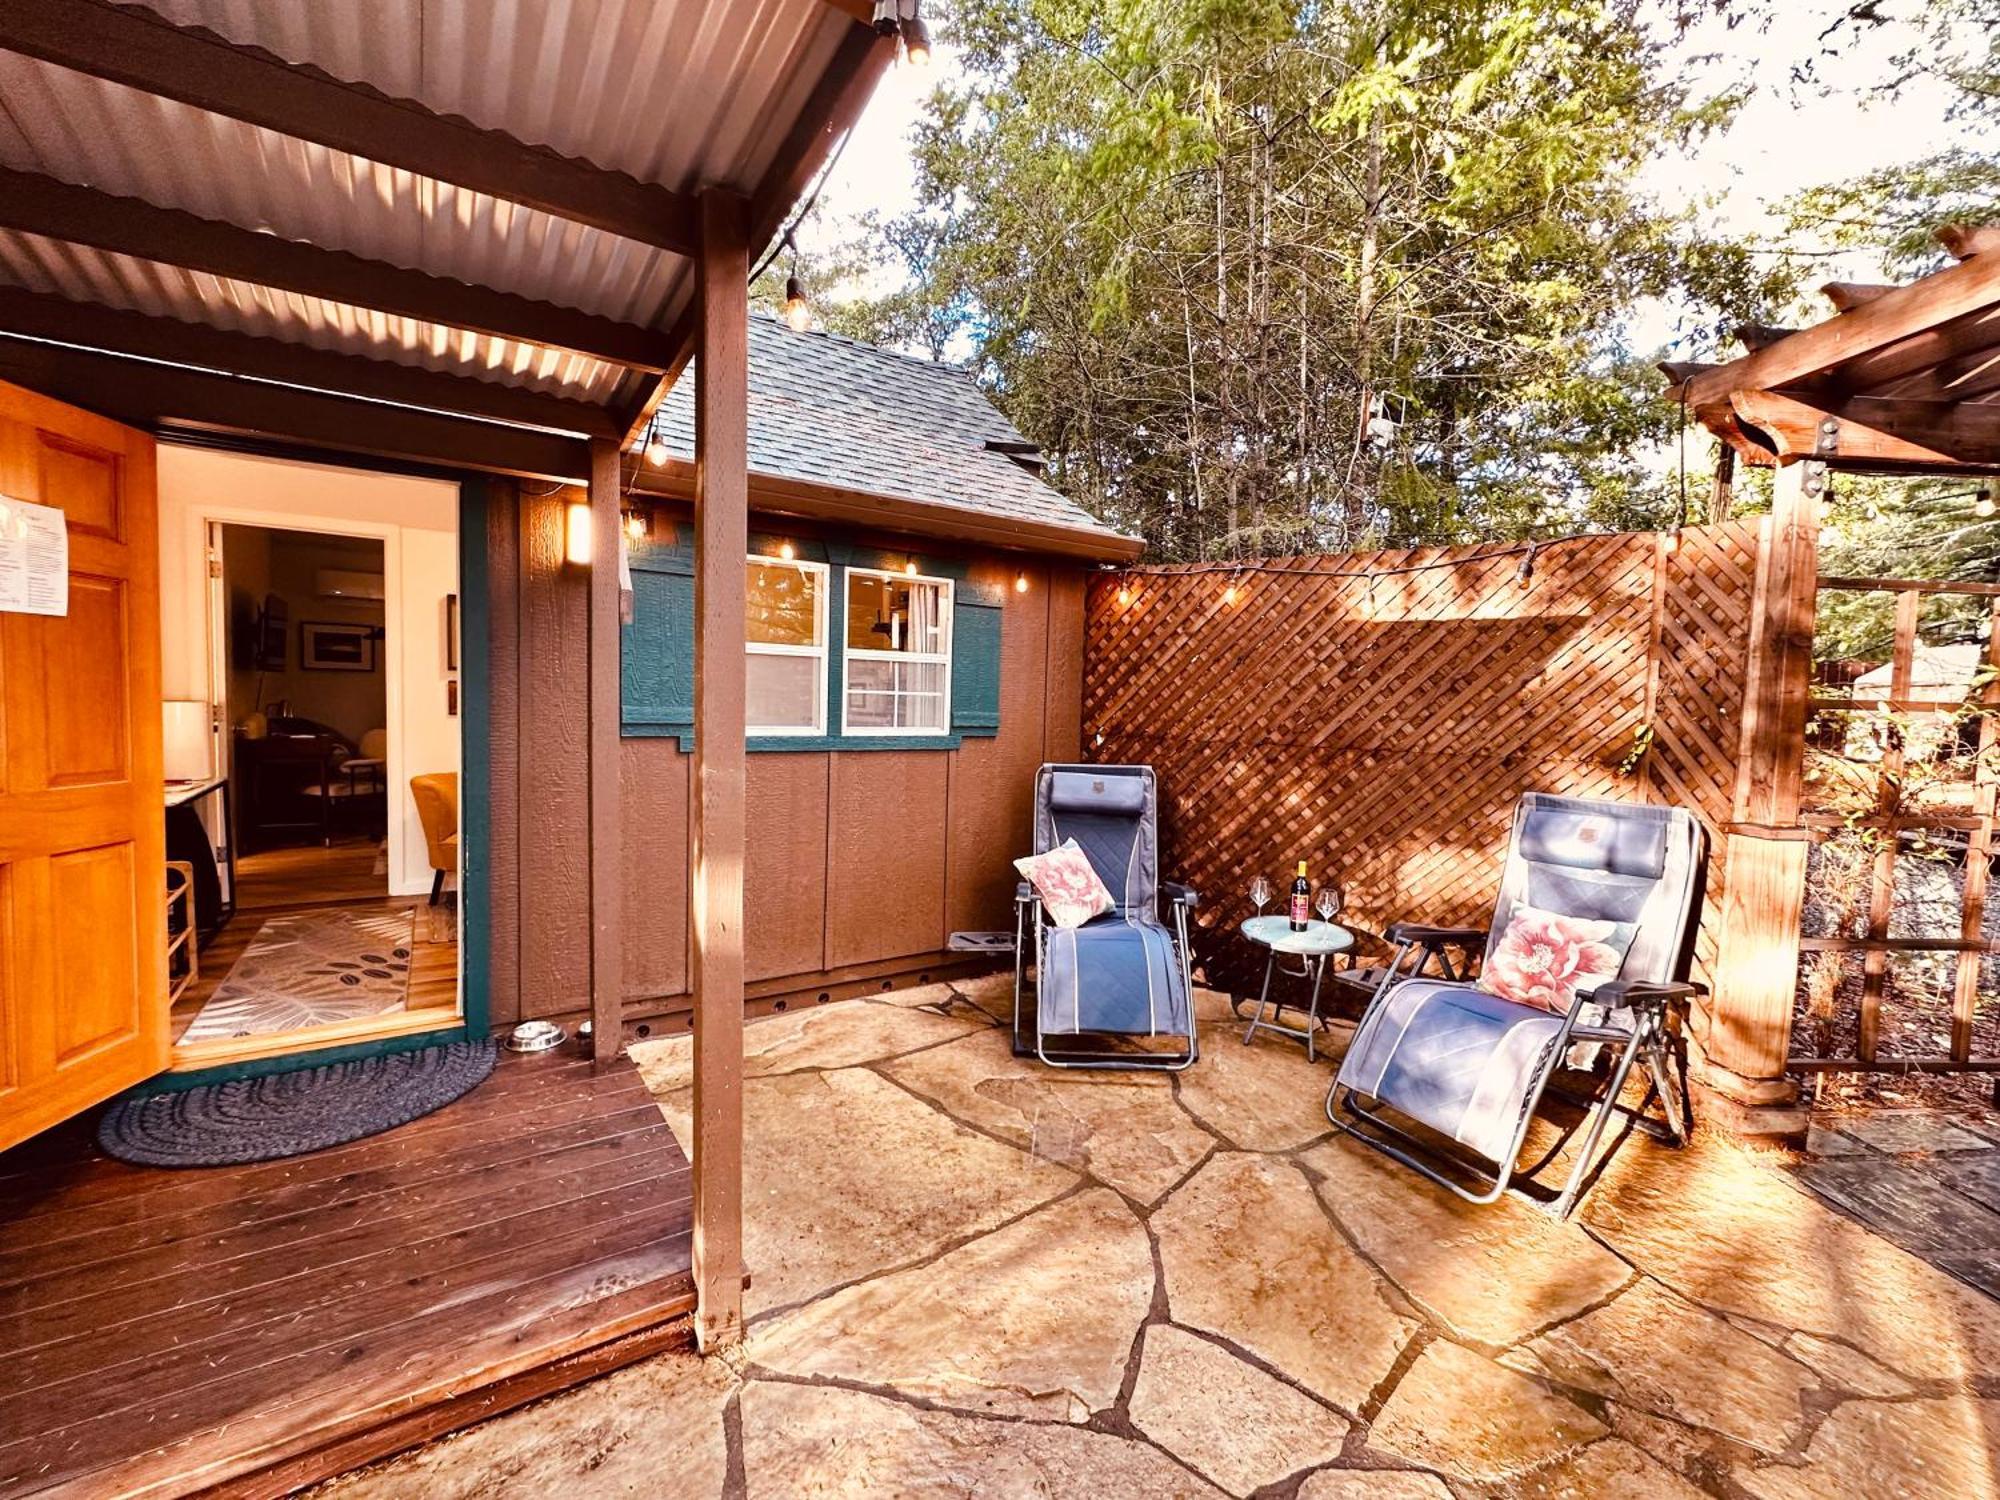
(1459, 1412)
(821, 1211)
(1493, 1274)
(1654, 1350)
(1230, 1420)
(1373, 1484)
(1742, 1238)
(825, 1036)
(1126, 1130)
(1607, 1470)
(1926, 1450)
(803, 1440)
(1249, 1256)
(1035, 1319)
(1260, 1097)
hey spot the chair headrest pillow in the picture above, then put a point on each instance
(1110, 795)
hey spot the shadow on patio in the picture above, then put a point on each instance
(972, 1273)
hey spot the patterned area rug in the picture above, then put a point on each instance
(309, 970)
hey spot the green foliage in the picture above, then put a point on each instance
(1264, 277)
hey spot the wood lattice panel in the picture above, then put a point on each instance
(1380, 724)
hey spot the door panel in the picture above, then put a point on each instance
(83, 1009)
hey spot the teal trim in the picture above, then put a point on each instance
(657, 648)
(291, 1062)
(475, 779)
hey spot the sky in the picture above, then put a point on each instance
(1785, 139)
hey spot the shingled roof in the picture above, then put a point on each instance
(834, 411)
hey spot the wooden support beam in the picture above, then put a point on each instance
(1961, 377)
(1912, 318)
(1745, 1026)
(721, 523)
(1907, 435)
(1848, 295)
(132, 46)
(198, 346)
(1681, 371)
(607, 845)
(1755, 336)
(148, 394)
(1963, 241)
(35, 204)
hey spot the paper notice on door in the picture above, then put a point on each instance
(34, 558)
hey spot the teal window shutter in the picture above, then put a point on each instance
(975, 663)
(657, 648)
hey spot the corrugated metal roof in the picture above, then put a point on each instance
(678, 92)
(835, 411)
(83, 274)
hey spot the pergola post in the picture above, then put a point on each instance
(1746, 1035)
(721, 521)
(606, 835)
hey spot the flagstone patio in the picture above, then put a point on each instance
(975, 1275)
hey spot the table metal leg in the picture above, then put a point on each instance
(1263, 998)
(1312, 1010)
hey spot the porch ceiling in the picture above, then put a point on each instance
(503, 191)
(1907, 376)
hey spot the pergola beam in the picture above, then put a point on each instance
(1905, 316)
(34, 204)
(171, 342)
(1871, 432)
(151, 395)
(130, 46)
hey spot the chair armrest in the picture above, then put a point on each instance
(1417, 932)
(1025, 892)
(1633, 994)
(1184, 895)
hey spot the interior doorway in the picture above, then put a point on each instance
(327, 710)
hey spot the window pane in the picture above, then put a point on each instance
(871, 694)
(896, 695)
(781, 691)
(782, 605)
(894, 614)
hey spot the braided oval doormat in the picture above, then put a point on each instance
(289, 1114)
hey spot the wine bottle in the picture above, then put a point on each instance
(1301, 899)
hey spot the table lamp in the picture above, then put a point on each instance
(188, 740)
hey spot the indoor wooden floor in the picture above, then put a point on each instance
(274, 880)
(260, 1327)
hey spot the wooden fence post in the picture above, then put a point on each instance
(1744, 1031)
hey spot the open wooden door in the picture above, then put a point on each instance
(83, 1010)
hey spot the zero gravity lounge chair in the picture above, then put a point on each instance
(1592, 938)
(1122, 976)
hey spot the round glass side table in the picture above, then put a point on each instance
(1313, 947)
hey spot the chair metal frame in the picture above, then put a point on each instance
(1656, 1010)
(1028, 916)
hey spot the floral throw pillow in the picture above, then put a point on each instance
(1544, 958)
(1068, 886)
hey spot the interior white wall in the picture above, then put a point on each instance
(417, 520)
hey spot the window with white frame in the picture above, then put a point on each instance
(785, 630)
(898, 656)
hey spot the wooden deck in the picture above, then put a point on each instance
(255, 1328)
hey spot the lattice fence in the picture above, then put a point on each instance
(1379, 718)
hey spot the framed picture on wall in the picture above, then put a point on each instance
(331, 646)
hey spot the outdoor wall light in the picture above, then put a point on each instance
(576, 535)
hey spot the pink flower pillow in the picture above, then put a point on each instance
(1544, 958)
(1067, 884)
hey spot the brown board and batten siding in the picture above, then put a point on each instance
(860, 862)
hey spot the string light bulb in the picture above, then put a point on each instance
(1984, 506)
(798, 313)
(917, 41)
(1020, 583)
(635, 525)
(656, 446)
(787, 551)
(1525, 574)
(910, 568)
(1229, 594)
(1124, 594)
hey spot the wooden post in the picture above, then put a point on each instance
(606, 835)
(1745, 1030)
(721, 520)
(1725, 484)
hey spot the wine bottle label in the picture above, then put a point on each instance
(1299, 909)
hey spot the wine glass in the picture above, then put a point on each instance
(1260, 893)
(1327, 901)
